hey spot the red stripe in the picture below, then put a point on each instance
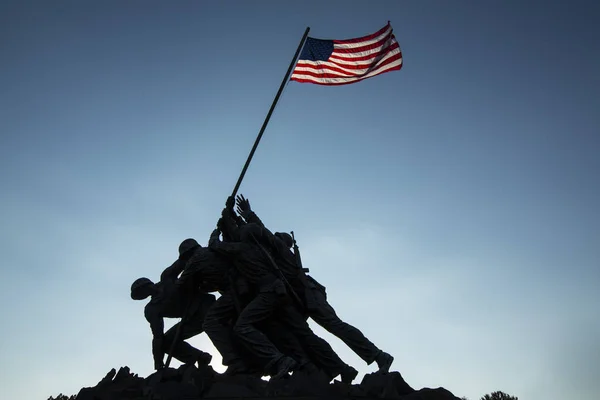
(335, 58)
(318, 74)
(321, 68)
(315, 72)
(338, 65)
(302, 80)
(365, 47)
(361, 39)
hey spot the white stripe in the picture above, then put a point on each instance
(305, 71)
(377, 71)
(357, 54)
(318, 66)
(365, 42)
(370, 52)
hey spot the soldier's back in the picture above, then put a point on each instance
(209, 267)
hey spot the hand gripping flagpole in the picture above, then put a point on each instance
(262, 129)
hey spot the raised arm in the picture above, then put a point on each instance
(172, 272)
(226, 248)
(229, 223)
(244, 209)
(214, 237)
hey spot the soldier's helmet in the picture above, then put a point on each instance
(137, 285)
(187, 245)
(286, 237)
(250, 231)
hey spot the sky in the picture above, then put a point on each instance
(451, 208)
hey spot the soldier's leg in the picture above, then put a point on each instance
(217, 325)
(183, 351)
(256, 312)
(325, 316)
(285, 340)
(316, 347)
(191, 326)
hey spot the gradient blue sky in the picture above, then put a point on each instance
(451, 208)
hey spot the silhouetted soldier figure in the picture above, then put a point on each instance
(317, 306)
(170, 300)
(214, 273)
(250, 263)
(271, 294)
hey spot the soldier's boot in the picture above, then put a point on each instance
(284, 365)
(239, 368)
(204, 359)
(348, 374)
(384, 361)
(307, 367)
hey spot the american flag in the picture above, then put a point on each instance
(339, 62)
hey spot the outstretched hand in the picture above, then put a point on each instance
(243, 205)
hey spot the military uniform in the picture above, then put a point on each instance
(315, 300)
(170, 300)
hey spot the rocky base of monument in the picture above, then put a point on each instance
(189, 382)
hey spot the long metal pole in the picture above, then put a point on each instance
(262, 129)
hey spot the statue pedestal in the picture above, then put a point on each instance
(189, 383)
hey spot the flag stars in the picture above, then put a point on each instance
(317, 49)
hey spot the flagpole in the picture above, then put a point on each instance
(239, 181)
(268, 117)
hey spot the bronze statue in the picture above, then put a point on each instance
(170, 300)
(259, 322)
(317, 306)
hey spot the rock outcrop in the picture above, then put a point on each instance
(189, 382)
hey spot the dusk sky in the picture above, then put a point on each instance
(451, 208)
